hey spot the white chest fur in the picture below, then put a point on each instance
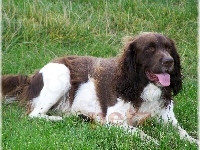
(152, 101)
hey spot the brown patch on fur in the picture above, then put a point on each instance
(139, 118)
(105, 72)
(29, 108)
(33, 89)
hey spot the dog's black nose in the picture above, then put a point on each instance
(167, 61)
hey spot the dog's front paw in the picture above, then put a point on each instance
(192, 140)
(55, 118)
(51, 118)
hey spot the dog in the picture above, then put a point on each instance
(124, 90)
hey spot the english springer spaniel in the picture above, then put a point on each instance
(124, 90)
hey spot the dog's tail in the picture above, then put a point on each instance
(12, 86)
(21, 87)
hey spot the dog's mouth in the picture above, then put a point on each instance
(161, 78)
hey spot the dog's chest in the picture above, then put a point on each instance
(151, 106)
(152, 100)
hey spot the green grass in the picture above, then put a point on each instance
(35, 32)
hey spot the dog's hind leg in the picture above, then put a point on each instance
(56, 79)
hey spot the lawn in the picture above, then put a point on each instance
(34, 32)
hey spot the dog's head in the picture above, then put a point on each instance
(152, 57)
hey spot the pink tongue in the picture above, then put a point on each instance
(164, 79)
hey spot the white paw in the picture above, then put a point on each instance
(192, 140)
(55, 118)
(51, 118)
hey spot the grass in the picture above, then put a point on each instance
(35, 32)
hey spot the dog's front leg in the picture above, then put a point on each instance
(167, 115)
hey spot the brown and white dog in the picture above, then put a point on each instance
(123, 90)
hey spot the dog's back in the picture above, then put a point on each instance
(23, 87)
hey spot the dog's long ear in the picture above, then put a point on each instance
(128, 58)
(127, 82)
(176, 77)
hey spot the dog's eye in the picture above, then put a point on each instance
(150, 49)
(168, 48)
